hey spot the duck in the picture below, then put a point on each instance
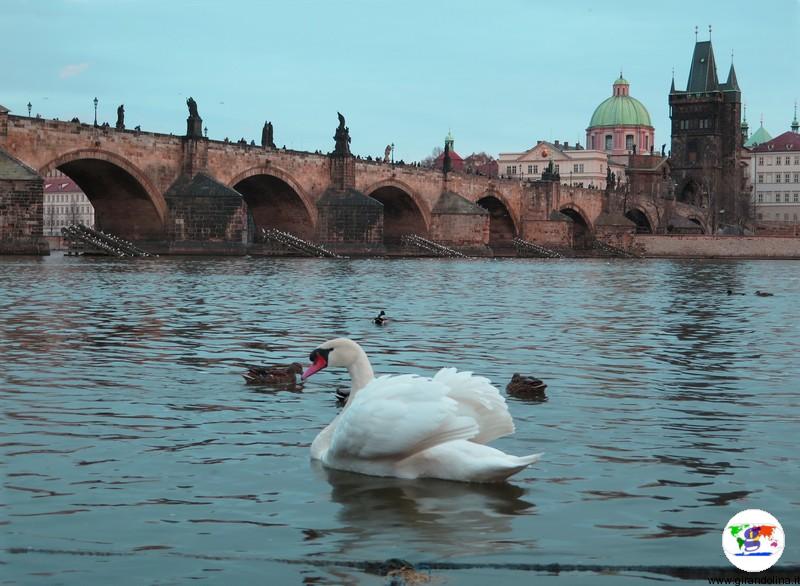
(282, 374)
(410, 426)
(380, 319)
(525, 387)
(730, 292)
(763, 294)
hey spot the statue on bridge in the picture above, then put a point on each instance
(194, 124)
(342, 138)
(121, 117)
(266, 136)
(387, 152)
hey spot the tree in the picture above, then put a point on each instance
(430, 159)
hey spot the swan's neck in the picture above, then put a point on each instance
(360, 373)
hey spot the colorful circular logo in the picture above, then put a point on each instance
(753, 540)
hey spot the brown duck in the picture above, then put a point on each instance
(525, 387)
(282, 374)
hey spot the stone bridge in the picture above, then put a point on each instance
(192, 194)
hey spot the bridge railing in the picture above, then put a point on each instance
(298, 244)
(430, 246)
(527, 248)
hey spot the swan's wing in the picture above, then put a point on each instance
(479, 399)
(395, 417)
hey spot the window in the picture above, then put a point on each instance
(786, 178)
(646, 142)
(760, 160)
(777, 177)
(796, 197)
(591, 142)
(760, 198)
(530, 169)
(761, 178)
(797, 160)
(508, 169)
(513, 169)
(575, 168)
(777, 198)
(786, 198)
(580, 168)
(796, 177)
(536, 168)
(778, 161)
(628, 142)
(787, 160)
(557, 171)
(609, 142)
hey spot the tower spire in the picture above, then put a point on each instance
(695, 33)
(795, 123)
(709, 32)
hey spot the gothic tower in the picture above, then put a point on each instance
(707, 141)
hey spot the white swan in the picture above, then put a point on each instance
(414, 427)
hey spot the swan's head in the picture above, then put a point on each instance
(337, 352)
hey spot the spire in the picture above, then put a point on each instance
(703, 74)
(795, 123)
(732, 83)
(745, 128)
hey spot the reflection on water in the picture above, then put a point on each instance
(129, 436)
(441, 517)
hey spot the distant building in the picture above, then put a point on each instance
(481, 164)
(759, 136)
(64, 204)
(775, 169)
(576, 165)
(620, 124)
(707, 148)
(456, 161)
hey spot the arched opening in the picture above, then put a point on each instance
(690, 193)
(122, 205)
(643, 225)
(699, 224)
(273, 203)
(401, 215)
(581, 233)
(501, 225)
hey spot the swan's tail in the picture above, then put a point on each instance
(508, 469)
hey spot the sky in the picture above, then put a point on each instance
(499, 76)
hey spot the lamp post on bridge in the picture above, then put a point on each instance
(392, 155)
(95, 110)
(29, 109)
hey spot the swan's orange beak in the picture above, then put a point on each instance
(319, 362)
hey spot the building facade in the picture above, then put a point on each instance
(64, 204)
(775, 168)
(621, 124)
(706, 156)
(576, 166)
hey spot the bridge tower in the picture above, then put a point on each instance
(707, 141)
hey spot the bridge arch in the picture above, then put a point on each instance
(275, 199)
(125, 201)
(582, 226)
(503, 226)
(642, 219)
(403, 210)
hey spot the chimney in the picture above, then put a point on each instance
(556, 143)
(566, 145)
(538, 142)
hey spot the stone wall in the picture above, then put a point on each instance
(718, 247)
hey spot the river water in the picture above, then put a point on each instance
(133, 452)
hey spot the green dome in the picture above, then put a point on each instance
(760, 136)
(620, 111)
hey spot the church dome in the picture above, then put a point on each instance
(620, 109)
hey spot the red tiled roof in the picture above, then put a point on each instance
(788, 141)
(454, 156)
(61, 185)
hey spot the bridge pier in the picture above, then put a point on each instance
(21, 204)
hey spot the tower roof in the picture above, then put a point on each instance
(703, 74)
(732, 84)
(760, 136)
(620, 109)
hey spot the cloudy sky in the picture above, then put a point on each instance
(499, 75)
